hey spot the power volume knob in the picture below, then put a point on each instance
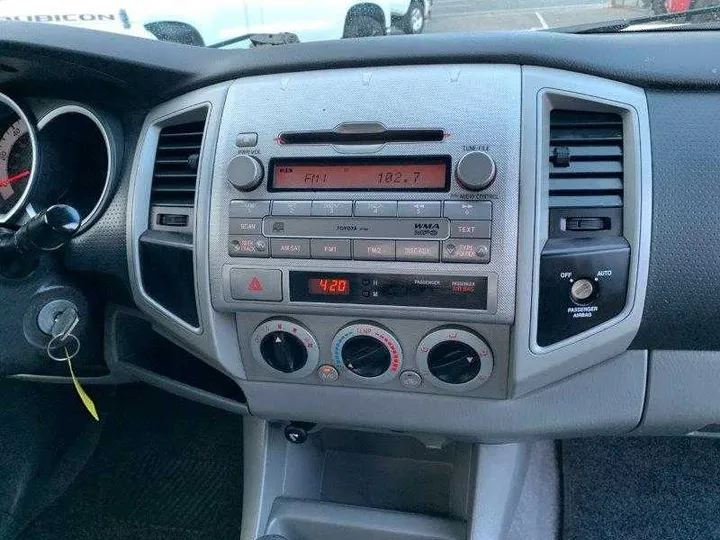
(245, 173)
(475, 171)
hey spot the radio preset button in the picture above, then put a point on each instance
(466, 251)
(374, 250)
(248, 246)
(245, 226)
(290, 249)
(332, 208)
(419, 209)
(470, 229)
(417, 251)
(469, 210)
(330, 249)
(245, 172)
(249, 209)
(376, 208)
(291, 208)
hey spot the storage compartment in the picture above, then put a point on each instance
(347, 485)
(395, 473)
(304, 520)
(136, 349)
(167, 271)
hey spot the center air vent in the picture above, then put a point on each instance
(176, 164)
(586, 159)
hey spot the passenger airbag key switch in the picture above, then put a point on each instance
(582, 291)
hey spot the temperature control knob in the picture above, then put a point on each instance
(367, 352)
(245, 172)
(455, 358)
(286, 347)
(475, 171)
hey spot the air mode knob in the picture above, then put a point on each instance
(475, 171)
(367, 352)
(455, 358)
(285, 346)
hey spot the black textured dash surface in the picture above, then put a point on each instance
(641, 489)
(682, 293)
(165, 468)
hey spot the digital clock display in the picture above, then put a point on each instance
(333, 286)
(376, 174)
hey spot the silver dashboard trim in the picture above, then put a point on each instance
(111, 158)
(533, 366)
(150, 137)
(215, 341)
(20, 204)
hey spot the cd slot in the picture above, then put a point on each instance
(363, 137)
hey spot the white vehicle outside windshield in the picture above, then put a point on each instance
(224, 22)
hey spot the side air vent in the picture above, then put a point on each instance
(586, 159)
(176, 164)
(166, 251)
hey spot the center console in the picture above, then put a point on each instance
(435, 256)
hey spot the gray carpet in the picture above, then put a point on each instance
(641, 489)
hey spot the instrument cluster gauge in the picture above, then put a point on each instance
(18, 158)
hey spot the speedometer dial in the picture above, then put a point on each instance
(15, 164)
(17, 158)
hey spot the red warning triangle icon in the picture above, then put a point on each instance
(255, 285)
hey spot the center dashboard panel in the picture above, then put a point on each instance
(384, 216)
(474, 231)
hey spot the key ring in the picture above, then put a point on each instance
(69, 355)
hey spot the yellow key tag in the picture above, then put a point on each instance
(87, 400)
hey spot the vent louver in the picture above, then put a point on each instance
(586, 159)
(176, 164)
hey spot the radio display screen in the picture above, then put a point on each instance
(356, 174)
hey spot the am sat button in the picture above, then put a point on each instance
(290, 248)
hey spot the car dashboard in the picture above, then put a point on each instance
(493, 237)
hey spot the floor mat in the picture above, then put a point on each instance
(638, 489)
(165, 468)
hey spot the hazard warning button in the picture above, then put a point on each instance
(256, 284)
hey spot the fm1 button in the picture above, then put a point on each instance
(582, 291)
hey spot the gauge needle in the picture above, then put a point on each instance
(9, 180)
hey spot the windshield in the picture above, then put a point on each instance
(250, 23)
